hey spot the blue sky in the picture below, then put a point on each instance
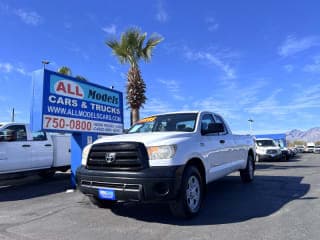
(242, 59)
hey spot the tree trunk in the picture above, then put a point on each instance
(135, 115)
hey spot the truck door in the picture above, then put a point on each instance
(230, 152)
(212, 148)
(15, 149)
(42, 151)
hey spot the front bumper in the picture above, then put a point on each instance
(269, 157)
(152, 184)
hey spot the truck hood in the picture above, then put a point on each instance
(148, 139)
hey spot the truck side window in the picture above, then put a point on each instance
(39, 136)
(206, 119)
(219, 120)
(16, 133)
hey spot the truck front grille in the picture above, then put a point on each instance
(118, 156)
(271, 151)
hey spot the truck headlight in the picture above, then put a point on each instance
(261, 151)
(85, 154)
(161, 152)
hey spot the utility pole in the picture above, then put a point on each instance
(12, 115)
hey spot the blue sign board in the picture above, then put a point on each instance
(72, 105)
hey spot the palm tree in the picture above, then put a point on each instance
(65, 71)
(131, 49)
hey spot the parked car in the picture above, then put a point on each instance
(23, 151)
(317, 149)
(165, 158)
(267, 149)
(300, 148)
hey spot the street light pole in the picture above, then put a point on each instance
(250, 125)
(44, 63)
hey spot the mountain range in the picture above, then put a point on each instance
(311, 135)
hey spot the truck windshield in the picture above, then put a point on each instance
(266, 143)
(181, 122)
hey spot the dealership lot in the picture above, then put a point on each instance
(282, 203)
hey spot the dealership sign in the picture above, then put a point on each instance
(71, 105)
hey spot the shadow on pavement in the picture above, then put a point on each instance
(33, 186)
(263, 166)
(228, 201)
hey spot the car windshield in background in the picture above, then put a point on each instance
(183, 122)
(265, 143)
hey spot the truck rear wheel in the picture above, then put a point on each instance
(247, 174)
(190, 198)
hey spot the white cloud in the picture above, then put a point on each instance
(173, 88)
(289, 68)
(111, 29)
(161, 15)
(6, 67)
(270, 105)
(292, 45)
(314, 67)
(212, 59)
(212, 24)
(155, 105)
(67, 25)
(307, 98)
(30, 18)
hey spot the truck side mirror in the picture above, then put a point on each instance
(214, 128)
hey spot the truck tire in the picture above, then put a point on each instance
(46, 174)
(247, 174)
(102, 203)
(190, 197)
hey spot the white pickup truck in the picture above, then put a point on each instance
(168, 157)
(22, 151)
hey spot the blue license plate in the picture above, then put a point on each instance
(107, 194)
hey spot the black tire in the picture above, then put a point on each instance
(102, 203)
(46, 174)
(190, 197)
(247, 174)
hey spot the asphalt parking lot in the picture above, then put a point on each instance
(282, 203)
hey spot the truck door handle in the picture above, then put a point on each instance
(26, 145)
(222, 141)
(48, 145)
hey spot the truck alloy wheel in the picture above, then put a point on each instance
(189, 200)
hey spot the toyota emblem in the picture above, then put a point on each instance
(110, 157)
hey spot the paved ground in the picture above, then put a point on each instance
(282, 203)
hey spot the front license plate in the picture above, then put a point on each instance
(107, 194)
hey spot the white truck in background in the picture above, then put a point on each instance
(23, 151)
(310, 147)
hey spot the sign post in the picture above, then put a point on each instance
(67, 105)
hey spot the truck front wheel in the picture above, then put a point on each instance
(189, 200)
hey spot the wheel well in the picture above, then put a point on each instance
(251, 153)
(199, 165)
